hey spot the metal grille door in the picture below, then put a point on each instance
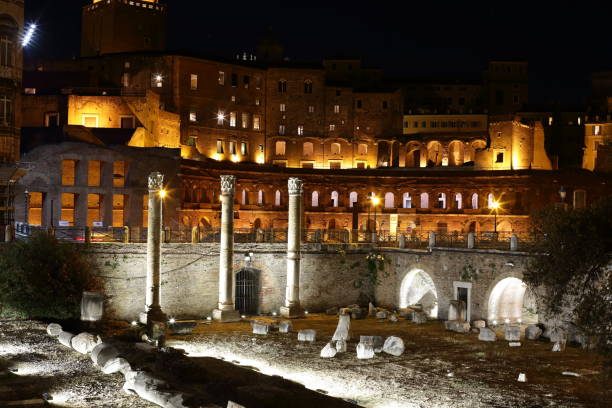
(247, 291)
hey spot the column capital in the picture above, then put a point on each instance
(156, 181)
(295, 186)
(228, 183)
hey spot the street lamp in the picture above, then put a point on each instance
(495, 206)
(562, 194)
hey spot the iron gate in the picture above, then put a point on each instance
(247, 291)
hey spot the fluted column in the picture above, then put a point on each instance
(226, 311)
(153, 312)
(292, 306)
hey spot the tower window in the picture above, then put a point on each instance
(336, 108)
(300, 130)
(245, 81)
(234, 80)
(282, 86)
(232, 119)
(282, 107)
(220, 146)
(308, 86)
(193, 117)
(221, 79)
(499, 157)
(194, 81)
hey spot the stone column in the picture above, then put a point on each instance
(226, 311)
(153, 312)
(292, 306)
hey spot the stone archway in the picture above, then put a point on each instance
(511, 299)
(418, 288)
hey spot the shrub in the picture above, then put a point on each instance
(43, 277)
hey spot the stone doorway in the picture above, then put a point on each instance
(247, 291)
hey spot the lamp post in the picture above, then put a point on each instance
(495, 207)
(562, 195)
(374, 202)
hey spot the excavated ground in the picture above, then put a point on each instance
(438, 369)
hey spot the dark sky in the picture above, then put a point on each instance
(563, 44)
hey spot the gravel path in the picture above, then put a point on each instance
(47, 366)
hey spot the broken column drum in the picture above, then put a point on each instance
(292, 306)
(227, 311)
(153, 310)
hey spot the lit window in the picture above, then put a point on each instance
(335, 148)
(280, 148)
(261, 148)
(220, 146)
(245, 81)
(596, 130)
(157, 80)
(232, 147)
(550, 120)
(221, 78)
(233, 98)
(257, 82)
(257, 102)
(245, 120)
(125, 79)
(256, 122)
(88, 120)
(332, 127)
(126, 65)
(336, 108)
(193, 116)
(220, 118)
(282, 107)
(244, 148)
(6, 111)
(232, 119)
(194, 81)
(6, 51)
(310, 108)
(300, 130)
(308, 149)
(281, 130)
(362, 149)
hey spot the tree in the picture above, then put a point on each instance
(573, 268)
(44, 277)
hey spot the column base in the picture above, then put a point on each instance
(292, 312)
(152, 315)
(226, 316)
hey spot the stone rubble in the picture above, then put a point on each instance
(85, 342)
(522, 377)
(514, 344)
(393, 319)
(394, 346)
(343, 330)
(65, 338)
(487, 334)
(381, 315)
(512, 333)
(307, 335)
(54, 329)
(341, 346)
(102, 353)
(260, 328)
(377, 342)
(285, 326)
(419, 317)
(533, 332)
(365, 351)
(115, 365)
(328, 351)
(479, 324)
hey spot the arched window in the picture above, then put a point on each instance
(308, 86)
(389, 200)
(282, 86)
(458, 201)
(441, 200)
(424, 200)
(334, 198)
(579, 198)
(352, 198)
(307, 149)
(362, 149)
(280, 148)
(474, 201)
(277, 198)
(335, 148)
(260, 197)
(407, 200)
(490, 201)
(315, 199)
(245, 197)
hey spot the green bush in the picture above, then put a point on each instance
(44, 278)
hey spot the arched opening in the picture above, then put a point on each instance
(407, 200)
(257, 224)
(473, 227)
(331, 224)
(474, 201)
(434, 154)
(352, 198)
(441, 202)
(245, 197)
(384, 154)
(247, 291)
(307, 149)
(334, 198)
(510, 299)
(186, 221)
(314, 202)
(334, 149)
(389, 200)
(504, 226)
(490, 201)
(413, 155)
(418, 288)
(458, 201)
(277, 198)
(455, 153)
(205, 223)
(260, 197)
(424, 200)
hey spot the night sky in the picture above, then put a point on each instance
(562, 44)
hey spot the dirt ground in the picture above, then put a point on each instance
(438, 368)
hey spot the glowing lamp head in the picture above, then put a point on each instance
(134, 323)
(159, 78)
(162, 193)
(260, 160)
(235, 158)
(507, 321)
(220, 116)
(495, 205)
(375, 200)
(28, 35)
(494, 322)
(172, 320)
